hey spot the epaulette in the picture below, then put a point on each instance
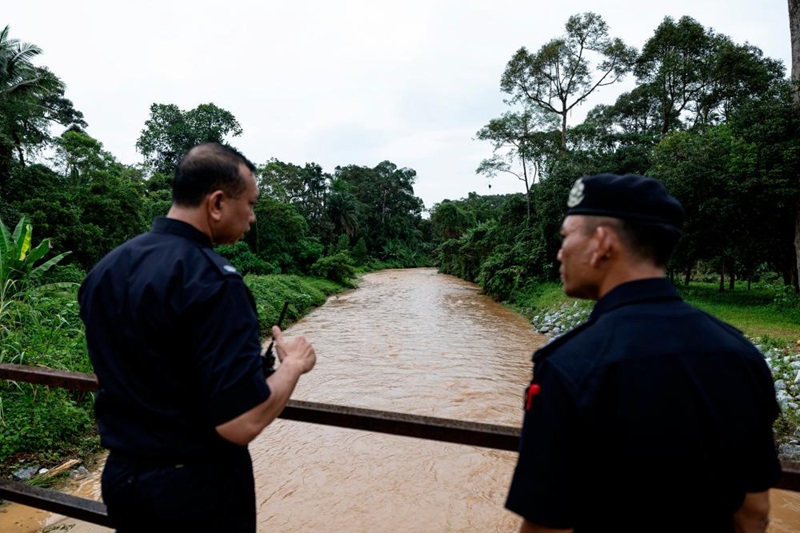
(223, 265)
(554, 344)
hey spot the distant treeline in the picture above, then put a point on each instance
(711, 118)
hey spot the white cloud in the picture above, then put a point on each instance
(337, 82)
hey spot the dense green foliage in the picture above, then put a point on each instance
(719, 129)
(713, 119)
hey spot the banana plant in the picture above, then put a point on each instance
(18, 257)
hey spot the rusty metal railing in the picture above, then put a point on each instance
(423, 427)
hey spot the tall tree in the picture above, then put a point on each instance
(342, 210)
(768, 123)
(78, 155)
(794, 33)
(92, 205)
(451, 220)
(521, 142)
(16, 70)
(305, 187)
(794, 30)
(31, 98)
(388, 212)
(694, 76)
(280, 236)
(738, 72)
(566, 70)
(171, 132)
(674, 66)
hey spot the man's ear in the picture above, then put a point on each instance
(214, 204)
(604, 239)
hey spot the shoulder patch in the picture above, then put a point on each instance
(555, 342)
(222, 264)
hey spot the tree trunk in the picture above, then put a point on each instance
(794, 35)
(795, 277)
(527, 192)
(797, 246)
(722, 277)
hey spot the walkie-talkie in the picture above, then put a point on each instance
(269, 356)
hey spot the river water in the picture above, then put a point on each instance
(410, 341)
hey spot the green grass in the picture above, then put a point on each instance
(763, 311)
(535, 298)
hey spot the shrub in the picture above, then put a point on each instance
(18, 258)
(302, 294)
(359, 253)
(245, 260)
(338, 268)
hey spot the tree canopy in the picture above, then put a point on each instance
(712, 118)
(170, 132)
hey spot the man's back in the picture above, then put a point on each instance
(677, 409)
(152, 308)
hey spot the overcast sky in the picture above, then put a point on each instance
(338, 82)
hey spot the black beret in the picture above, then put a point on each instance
(627, 197)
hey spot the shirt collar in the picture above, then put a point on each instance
(180, 228)
(639, 291)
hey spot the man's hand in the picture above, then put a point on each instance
(297, 352)
(297, 356)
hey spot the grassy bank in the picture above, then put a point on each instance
(763, 311)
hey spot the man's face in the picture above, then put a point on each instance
(577, 246)
(239, 212)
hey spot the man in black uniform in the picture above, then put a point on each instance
(172, 333)
(652, 415)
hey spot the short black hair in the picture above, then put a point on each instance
(655, 242)
(206, 168)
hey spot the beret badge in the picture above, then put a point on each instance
(576, 194)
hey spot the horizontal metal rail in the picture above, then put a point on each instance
(423, 427)
(55, 502)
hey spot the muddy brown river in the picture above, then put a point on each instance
(410, 341)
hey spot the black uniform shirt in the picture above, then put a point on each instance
(651, 416)
(172, 333)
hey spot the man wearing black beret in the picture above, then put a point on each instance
(652, 415)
